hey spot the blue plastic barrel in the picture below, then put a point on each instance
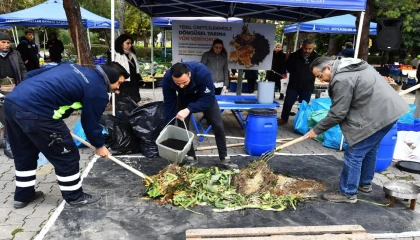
(261, 131)
(386, 150)
(102, 60)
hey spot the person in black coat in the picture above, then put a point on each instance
(278, 67)
(28, 51)
(348, 51)
(126, 56)
(251, 76)
(301, 80)
(55, 47)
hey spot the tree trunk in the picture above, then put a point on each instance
(145, 40)
(78, 32)
(364, 39)
(119, 12)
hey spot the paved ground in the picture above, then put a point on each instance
(26, 223)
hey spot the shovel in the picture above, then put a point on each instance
(138, 173)
(409, 90)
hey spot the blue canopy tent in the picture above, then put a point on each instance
(284, 10)
(345, 24)
(51, 13)
(166, 22)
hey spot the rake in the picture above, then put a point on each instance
(269, 154)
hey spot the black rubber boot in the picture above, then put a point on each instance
(17, 204)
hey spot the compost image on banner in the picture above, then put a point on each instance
(250, 49)
(248, 45)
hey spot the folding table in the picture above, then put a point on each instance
(236, 104)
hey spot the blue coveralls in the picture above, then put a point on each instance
(34, 111)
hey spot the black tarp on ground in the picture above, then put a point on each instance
(123, 215)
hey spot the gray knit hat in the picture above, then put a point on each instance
(5, 36)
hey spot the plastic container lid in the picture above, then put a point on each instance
(262, 112)
(408, 166)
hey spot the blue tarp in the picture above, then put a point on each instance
(51, 13)
(345, 24)
(287, 10)
(166, 22)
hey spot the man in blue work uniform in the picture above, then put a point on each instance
(34, 111)
(188, 88)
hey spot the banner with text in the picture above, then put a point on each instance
(248, 45)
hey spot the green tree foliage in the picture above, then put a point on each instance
(7, 6)
(138, 24)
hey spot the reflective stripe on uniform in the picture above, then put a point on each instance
(25, 184)
(62, 110)
(71, 188)
(68, 178)
(25, 173)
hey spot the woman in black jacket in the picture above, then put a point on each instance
(126, 56)
(278, 67)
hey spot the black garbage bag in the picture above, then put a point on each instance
(124, 106)
(120, 138)
(148, 121)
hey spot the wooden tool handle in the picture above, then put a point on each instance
(409, 90)
(215, 147)
(138, 173)
(241, 138)
(291, 143)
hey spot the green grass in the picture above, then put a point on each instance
(17, 230)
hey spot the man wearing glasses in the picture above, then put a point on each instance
(188, 88)
(366, 108)
(301, 81)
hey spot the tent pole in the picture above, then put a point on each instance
(88, 35)
(113, 46)
(282, 39)
(14, 37)
(354, 39)
(359, 34)
(151, 57)
(17, 36)
(297, 37)
(164, 42)
(45, 42)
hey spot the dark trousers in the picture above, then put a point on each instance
(251, 85)
(218, 91)
(214, 118)
(30, 134)
(291, 97)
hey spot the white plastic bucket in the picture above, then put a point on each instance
(265, 92)
(174, 132)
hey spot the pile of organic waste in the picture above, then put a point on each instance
(255, 186)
